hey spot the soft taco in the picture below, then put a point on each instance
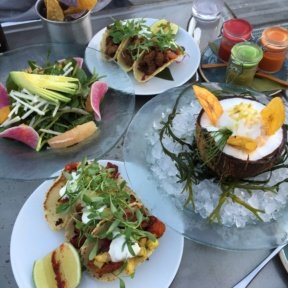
(102, 218)
(158, 54)
(56, 221)
(117, 35)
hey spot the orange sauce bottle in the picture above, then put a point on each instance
(274, 41)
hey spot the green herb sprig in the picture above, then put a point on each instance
(121, 30)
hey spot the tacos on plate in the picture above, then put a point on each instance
(103, 219)
(117, 35)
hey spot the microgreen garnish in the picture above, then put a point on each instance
(216, 141)
(96, 188)
(192, 170)
(121, 30)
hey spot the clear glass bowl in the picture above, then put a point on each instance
(18, 161)
(170, 207)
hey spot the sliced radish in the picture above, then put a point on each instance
(97, 93)
(78, 60)
(4, 98)
(22, 133)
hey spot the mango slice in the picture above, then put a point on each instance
(4, 112)
(73, 136)
(273, 116)
(243, 143)
(209, 103)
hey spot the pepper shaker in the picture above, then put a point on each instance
(3, 41)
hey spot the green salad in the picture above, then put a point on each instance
(45, 106)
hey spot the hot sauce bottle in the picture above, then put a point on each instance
(274, 41)
(234, 31)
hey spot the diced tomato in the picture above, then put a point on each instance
(115, 174)
(71, 166)
(155, 226)
(171, 55)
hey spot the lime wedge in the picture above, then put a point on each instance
(165, 25)
(62, 264)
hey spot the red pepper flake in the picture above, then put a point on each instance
(56, 268)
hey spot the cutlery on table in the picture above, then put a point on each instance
(248, 279)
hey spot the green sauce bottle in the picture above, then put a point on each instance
(243, 63)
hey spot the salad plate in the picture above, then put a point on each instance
(181, 72)
(157, 181)
(117, 109)
(31, 228)
(218, 74)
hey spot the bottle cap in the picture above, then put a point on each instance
(237, 30)
(275, 38)
(247, 54)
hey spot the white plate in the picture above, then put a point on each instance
(32, 239)
(181, 72)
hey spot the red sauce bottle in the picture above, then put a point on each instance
(234, 31)
(274, 41)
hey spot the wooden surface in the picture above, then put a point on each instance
(260, 12)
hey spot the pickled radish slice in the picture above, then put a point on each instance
(97, 93)
(78, 60)
(22, 133)
(4, 98)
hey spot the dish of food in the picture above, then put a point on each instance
(109, 116)
(31, 219)
(54, 105)
(218, 74)
(181, 69)
(229, 211)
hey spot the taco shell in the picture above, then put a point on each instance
(142, 77)
(55, 221)
(121, 56)
(107, 277)
(103, 47)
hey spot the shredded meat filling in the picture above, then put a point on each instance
(155, 59)
(111, 47)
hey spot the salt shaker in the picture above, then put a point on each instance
(3, 41)
(206, 20)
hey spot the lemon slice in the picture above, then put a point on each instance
(61, 265)
(164, 24)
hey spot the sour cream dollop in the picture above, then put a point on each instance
(118, 250)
